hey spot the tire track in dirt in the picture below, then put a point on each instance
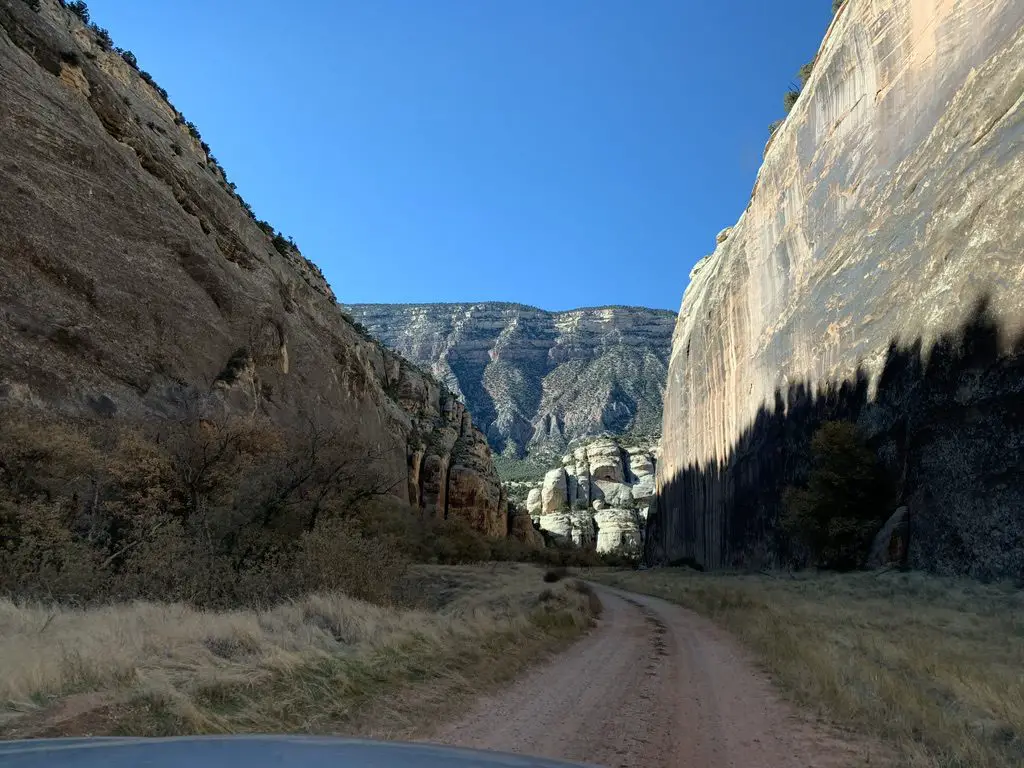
(652, 685)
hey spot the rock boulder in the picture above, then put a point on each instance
(554, 497)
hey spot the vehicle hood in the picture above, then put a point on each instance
(250, 752)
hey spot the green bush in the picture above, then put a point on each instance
(804, 73)
(789, 100)
(103, 38)
(844, 502)
(80, 9)
(129, 59)
(555, 574)
(283, 245)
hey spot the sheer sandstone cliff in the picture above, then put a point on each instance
(132, 276)
(888, 206)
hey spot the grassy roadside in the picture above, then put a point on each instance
(322, 664)
(934, 666)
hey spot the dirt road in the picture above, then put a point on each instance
(652, 685)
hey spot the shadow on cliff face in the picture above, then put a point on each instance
(947, 425)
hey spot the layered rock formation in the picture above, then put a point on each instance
(598, 498)
(888, 206)
(533, 378)
(133, 276)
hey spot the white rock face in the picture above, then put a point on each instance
(558, 524)
(575, 527)
(618, 529)
(534, 503)
(599, 498)
(584, 486)
(554, 492)
(615, 494)
(643, 490)
(584, 531)
(605, 459)
(640, 462)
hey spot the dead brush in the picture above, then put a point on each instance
(553, 575)
(593, 601)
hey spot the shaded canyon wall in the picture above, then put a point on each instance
(133, 277)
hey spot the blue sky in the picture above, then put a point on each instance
(559, 153)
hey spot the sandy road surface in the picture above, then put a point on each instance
(653, 685)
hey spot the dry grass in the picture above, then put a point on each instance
(934, 666)
(321, 664)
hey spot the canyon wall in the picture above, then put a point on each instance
(877, 275)
(534, 379)
(134, 277)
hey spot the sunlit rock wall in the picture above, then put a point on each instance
(888, 203)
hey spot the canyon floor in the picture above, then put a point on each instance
(672, 668)
(653, 685)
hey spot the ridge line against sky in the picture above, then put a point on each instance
(509, 304)
(549, 154)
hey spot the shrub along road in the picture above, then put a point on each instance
(653, 685)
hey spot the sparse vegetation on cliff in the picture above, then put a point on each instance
(789, 99)
(285, 246)
(79, 8)
(803, 74)
(103, 39)
(930, 665)
(531, 402)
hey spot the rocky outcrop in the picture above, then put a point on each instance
(887, 207)
(554, 493)
(520, 527)
(134, 277)
(532, 378)
(534, 502)
(598, 498)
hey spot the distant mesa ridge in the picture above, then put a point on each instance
(533, 378)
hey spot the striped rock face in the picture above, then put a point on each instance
(887, 212)
(534, 379)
